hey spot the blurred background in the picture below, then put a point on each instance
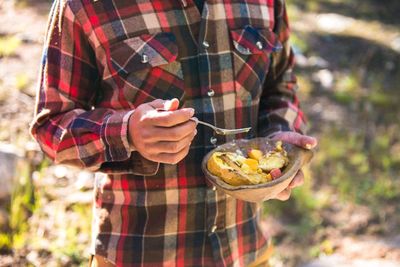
(346, 214)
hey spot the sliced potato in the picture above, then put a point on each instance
(252, 163)
(274, 161)
(235, 169)
(255, 154)
(220, 165)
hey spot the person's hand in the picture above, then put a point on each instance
(162, 136)
(300, 140)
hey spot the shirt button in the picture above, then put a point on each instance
(213, 140)
(213, 229)
(210, 93)
(206, 44)
(259, 45)
(214, 188)
(145, 58)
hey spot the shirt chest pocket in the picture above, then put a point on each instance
(251, 58)
(147, 67)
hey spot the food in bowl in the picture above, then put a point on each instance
(257, 167)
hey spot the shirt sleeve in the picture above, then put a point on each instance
(66, 124)
(279, 106)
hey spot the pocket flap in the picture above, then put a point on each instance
(144, 51)
(250, 40)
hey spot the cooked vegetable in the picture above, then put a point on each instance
(235, 169)
(255, 154)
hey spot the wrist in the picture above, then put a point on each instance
(132, 146)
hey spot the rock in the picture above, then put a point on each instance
(318, 62)
(79, 198)
(324, 77)
(396, 44)
(333, 23)
(60, 171)
(9, 157)
(84, 180)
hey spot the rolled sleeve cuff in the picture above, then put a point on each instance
(115, 136)
(119, 154)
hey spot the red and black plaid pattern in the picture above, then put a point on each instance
(231, 62)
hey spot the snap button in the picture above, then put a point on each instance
(206, 44)
(259, 45)
(213, 140)
(213, 228)
(210, 93)
(145, 58)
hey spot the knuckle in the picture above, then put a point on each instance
(175, 159)
(147, 150)
(193, 124)
(146, 135)
(174, 134)
(173, 147)
(167, 120)
(143, 119)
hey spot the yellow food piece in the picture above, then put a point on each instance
(270, 162)
(278, 146)
(229, 173)
(236, 170)
(255, 154)
(252, 163)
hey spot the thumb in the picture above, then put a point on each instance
(158, 103)
(171, 105)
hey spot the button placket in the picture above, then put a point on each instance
(259, 45)
(213, 140)
(184, 3)
(210, 92)
(206, 44)
(145, 59)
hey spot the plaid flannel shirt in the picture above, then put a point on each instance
(231, 62)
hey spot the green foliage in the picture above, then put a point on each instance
(22, 206)
(324, 248)
(9, 45)
(359, 173)
(5, 241)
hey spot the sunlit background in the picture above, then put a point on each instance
(346, 214)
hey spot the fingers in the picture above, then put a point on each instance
(171, 158)
(158, 103)
(284, 195)
(172, 104)
(176, 133)
(169, 105)
(170, 147)
(162, 136)
(168, 118)
(305, 141)
(297, 181)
